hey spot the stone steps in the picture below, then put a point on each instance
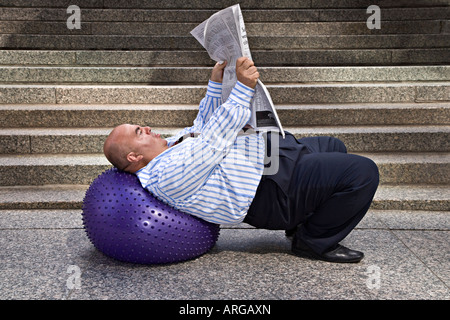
(200, 75)
(357, 138)
(67, 197)
(199, 15)
(41, 169)
(164, 115)
(219, 4)
(191, 94)
(392, 44)
(253, 28)
(324, 33)
(384, 92)
(280, 55)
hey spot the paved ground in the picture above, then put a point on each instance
(46, 255)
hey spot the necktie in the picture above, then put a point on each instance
(245, 131)
(184, 137)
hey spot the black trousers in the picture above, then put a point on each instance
(318, 188)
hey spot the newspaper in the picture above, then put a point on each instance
(224, 37)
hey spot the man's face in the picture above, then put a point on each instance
(142, 140)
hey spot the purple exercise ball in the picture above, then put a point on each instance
(125, 222)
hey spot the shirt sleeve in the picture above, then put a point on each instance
(224, 124)
(211, 101)
(185, 167)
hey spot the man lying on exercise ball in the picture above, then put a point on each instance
(319, 192)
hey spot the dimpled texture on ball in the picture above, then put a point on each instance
(125, 222)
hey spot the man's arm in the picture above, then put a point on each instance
(185, 167)
(222, 128)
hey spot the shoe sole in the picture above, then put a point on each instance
(314, 256)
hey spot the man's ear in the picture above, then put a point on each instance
(134, 157)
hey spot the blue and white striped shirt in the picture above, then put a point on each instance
(214, 176)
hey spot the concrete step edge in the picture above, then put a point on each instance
(142, 42)
(126, 75)
(198, 56)
(218, 5)
(98, 159)
(164, 115)
(395, 168)
(189, 94)
(253, 28)
(199, 15)
(181, 107)
(195, 86)
(167, 131)
(357, 138)
(64, 197)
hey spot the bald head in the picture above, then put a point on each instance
(116, 149)
(131, 147)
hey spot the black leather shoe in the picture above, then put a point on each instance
(339, 254)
